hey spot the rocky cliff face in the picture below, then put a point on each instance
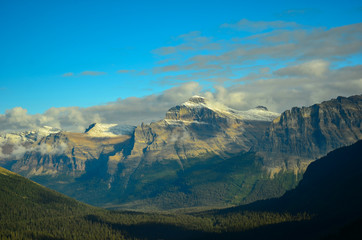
(301, 135)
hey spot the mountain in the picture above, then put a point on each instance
(201, 154)
(156, 162)
(300, 135)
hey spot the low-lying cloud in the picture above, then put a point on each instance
(19, 150)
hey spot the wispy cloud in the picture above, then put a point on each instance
(192, 41)
(257, 26)
(125, 71)
(92, 73)
(172, 49)
(299, 12)
(68, 74)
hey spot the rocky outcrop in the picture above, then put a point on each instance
(301, 135)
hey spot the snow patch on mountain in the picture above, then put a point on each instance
(258, 114)
(108, 130)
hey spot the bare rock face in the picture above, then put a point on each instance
(301, 135)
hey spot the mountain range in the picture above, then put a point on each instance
(201, 154)
(325, 204)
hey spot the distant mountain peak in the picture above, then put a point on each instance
(262, 108)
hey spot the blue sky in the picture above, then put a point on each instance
(86, 54)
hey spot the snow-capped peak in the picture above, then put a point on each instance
(108, 130)
(46, 130)
(28, 136)
(259, 113)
